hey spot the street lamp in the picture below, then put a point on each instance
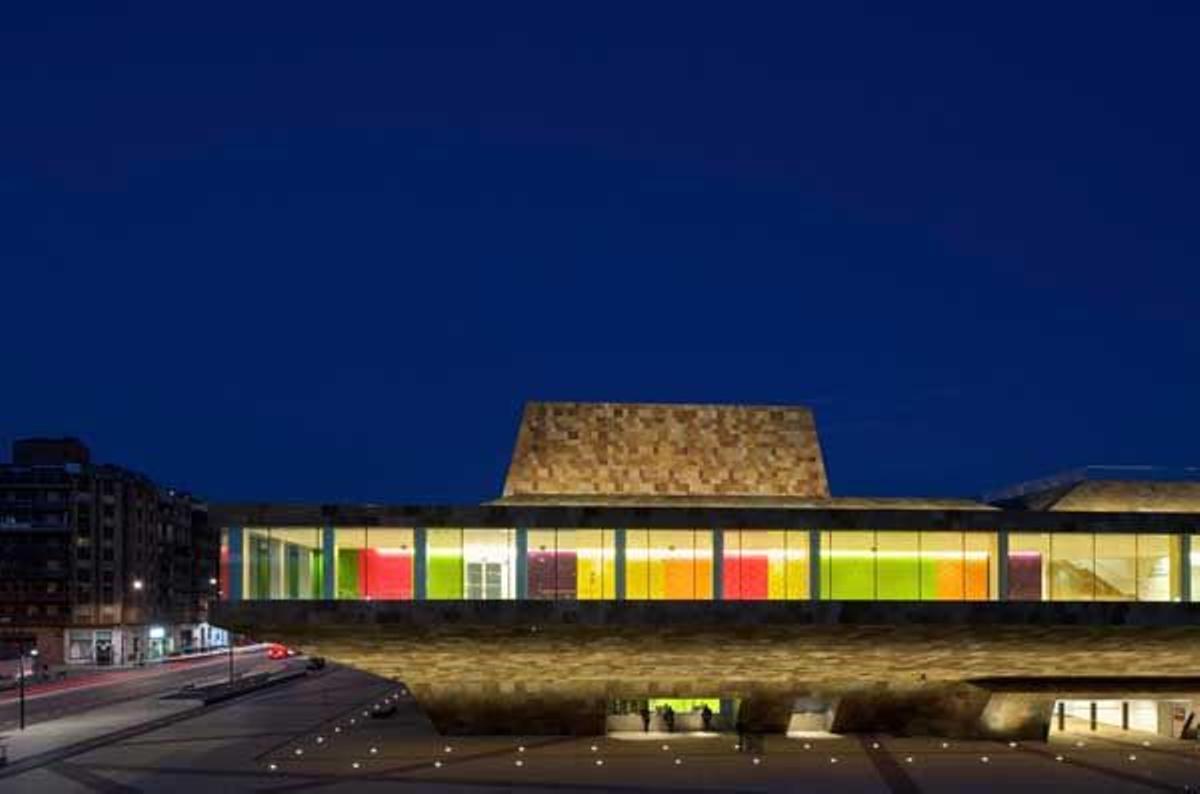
(138, 584)
(21, 675)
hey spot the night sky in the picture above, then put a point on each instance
(325, 252)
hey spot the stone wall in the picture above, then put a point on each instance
(932, 670)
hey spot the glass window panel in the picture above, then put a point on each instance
(295, 550)
(702, 551)
(388, 560)
(595, 565)
(761, 564)
(1072, 566)
(444, 563)
(980, 566)
(637, 564)
(897, 566)
(542, 564)
(1157, 568)
(1116, 567)
(350, 574)
(256, 566)
(1194, 566)
(489, 563)
(765, 564)
(223, 589)
(943, 569)
(673, 564)
(731, 565)
(850, 568)
(797, 584)
(1028, 566)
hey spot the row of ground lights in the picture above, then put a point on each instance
(320, 739)
(665, 747)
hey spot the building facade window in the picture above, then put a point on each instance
(764, 564)
(668, 564)
(908, 566)
(278, 563)
(577, 564)
(374, 563)
(471, 564)
(1085, 566)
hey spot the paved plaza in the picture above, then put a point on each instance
(317, 735)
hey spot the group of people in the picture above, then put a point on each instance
(668, 717)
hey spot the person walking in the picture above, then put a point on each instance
(706, 716)
(645, 712)
(669, 718)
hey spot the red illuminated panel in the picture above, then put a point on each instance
(755, 577)
(747, 576)
(224, 571)
(387, 573)
(732, 589)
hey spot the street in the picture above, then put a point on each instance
(89, 690)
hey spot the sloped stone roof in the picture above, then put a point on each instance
(657, 450)
(1127, 495)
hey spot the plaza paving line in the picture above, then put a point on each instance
(1094, 766)
(89, 779)
(1192, 755)
(893, 775)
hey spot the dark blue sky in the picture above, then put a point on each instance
(326, 251)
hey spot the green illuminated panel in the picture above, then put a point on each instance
(444, 571)
(347, 574)
(316, 562)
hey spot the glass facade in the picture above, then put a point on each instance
(1084, 566)
(668, 564)
(401, 564)
(760, 565)
(374, 562)
(282, 563)
(472, 564)
(908, 566)
(576, 564)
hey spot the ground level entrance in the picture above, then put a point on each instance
(1168, 718)
(657, 717)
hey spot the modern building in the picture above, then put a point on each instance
(98, 564)
(645, 555)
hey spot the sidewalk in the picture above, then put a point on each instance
(55, 736)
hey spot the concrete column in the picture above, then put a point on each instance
(522, 567)
(1185, 568)
(718, 566)
(420, 565)
(619, 563)
(328, 563)
(814, 565)
(1002, 565)
(235, 567)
